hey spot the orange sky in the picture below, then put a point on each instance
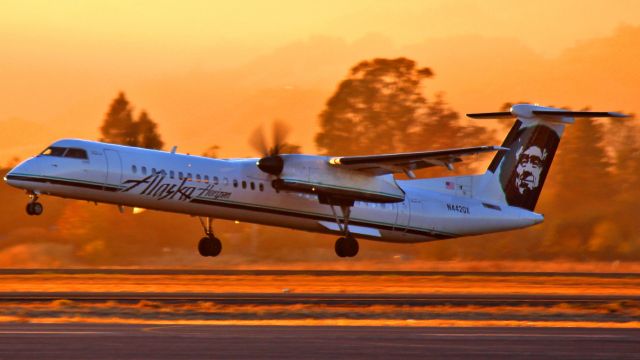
(224, 67)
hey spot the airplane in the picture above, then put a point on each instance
(355, 197)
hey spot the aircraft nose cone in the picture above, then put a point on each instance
(26, 168)
(9, 177)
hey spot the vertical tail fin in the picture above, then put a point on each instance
(516, 176)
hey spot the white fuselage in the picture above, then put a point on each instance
(237, 190)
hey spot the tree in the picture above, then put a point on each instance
(212, 151)
(146, 132)
(373, 108)
(582, 205)
(439, 127)
(119, 126)
(380, 107)
(626, 175)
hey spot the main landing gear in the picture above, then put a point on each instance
(34, 207)
(209, 245)
(347, 245)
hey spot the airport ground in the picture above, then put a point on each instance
(323, 314)
(135, 341)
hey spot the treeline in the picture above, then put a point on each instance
(589, 200)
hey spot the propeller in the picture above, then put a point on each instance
(271, 161)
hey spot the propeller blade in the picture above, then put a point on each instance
(280, 132)
(271, 161)
(259, 142)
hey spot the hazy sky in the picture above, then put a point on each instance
(185, 30)
(63, 61)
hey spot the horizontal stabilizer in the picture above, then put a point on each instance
(491, 115)
(516, 176)
(589, 114)
(529, 111)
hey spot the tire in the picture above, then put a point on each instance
(340, 247)
(204, 246)
(351, 247)
(217, 247)
(209, 246)
(37, 208)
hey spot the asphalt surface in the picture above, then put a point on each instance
(142, 272)
(115, 341)
(319, 299)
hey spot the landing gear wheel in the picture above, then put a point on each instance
(347, 246)
(209, 246)
(34, 208)
(340, 247)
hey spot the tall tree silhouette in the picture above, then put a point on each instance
(380, 107)
(119, 126)
(373, 108)
(582, 204)
(626, 146)
(146, 132)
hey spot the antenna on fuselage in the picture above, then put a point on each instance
(174, 148)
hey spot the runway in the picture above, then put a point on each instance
(123, 341)
(132, 314)
(318, 299)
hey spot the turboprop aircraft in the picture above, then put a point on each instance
(352, 196)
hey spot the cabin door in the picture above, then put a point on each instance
(114, 168)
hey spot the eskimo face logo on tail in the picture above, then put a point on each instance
(526, 164)
(529, 168)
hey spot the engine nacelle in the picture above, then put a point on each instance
(313, 174)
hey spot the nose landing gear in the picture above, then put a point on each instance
(34, 207)
(209, 245)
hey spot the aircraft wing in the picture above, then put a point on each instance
(407, 162)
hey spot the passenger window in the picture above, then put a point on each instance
(235, 183)
(76, 153)
(206, 179)
(144, 170)
(198, 178)
(134, 169)
(253, 186)
(172, 174)
(189, 177)
(215, 180)
(225, 181)
(244, 184)
(180, 175)
(153, 171)
(54, 151)
(261, 187)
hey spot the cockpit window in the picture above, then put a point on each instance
(76, 153)
(54, 151)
